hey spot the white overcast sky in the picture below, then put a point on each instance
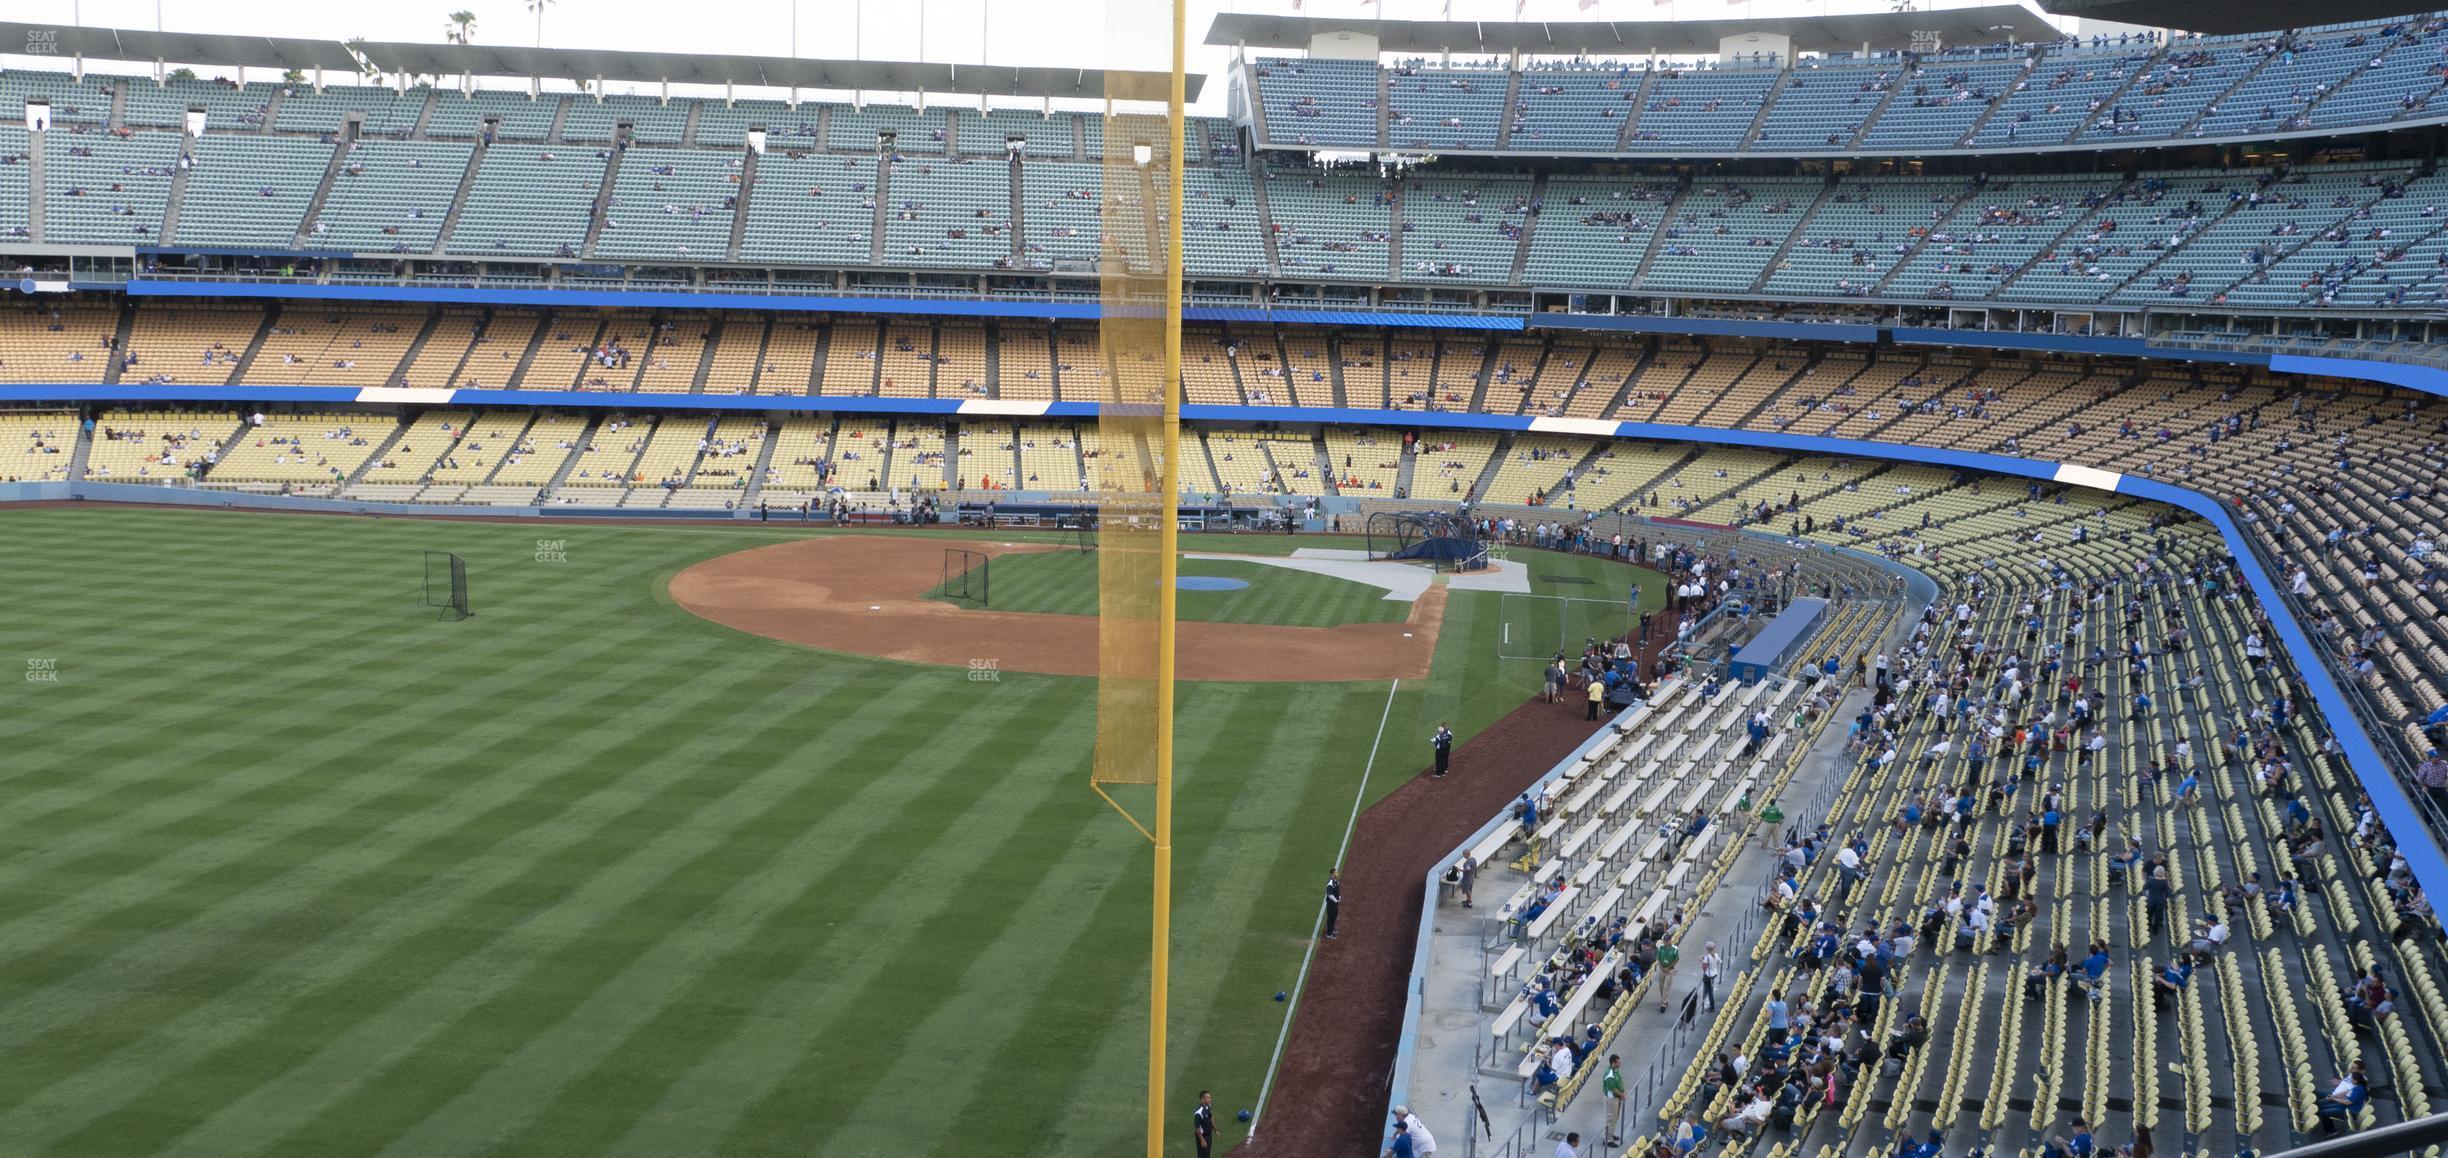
(1029, 32)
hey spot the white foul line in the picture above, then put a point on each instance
(1319, 922)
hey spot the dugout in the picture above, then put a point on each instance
(1754, 660)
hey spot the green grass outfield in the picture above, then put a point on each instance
(1065, 583)
(288, 867)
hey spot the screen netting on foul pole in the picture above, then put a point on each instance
(1138, 474)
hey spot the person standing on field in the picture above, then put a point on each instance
(1597, 698)
(1334, 902)
(1442, 741)
(1202, 1124)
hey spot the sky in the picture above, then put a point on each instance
(1051, 33)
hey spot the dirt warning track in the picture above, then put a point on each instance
(863, 594)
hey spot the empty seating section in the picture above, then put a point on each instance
(2055, 99)
(195, 344)
(2396, 87)
(2173, 93)
(250, 192)
(390, 196)
(1431, 109)
(671, 363)
(446, 347)
(1723, 234)
(1331, 103)
(2304, 207)
(810, 209)
(1024, 361)
(671, 205)
(36, 446)
(494, 355)
(1448, 464)
(107, 190)
(320, 347)
(1364, 463)
(665, 459)
(802, 452)
(1936, 102)
(725, 468)
(483, 444)
(73, 102)
(417, 451)
(722, 126)
(384, 113)
(550, 443)
(1049, 458)
(908, 361)
(651, 121)
(228, 108)
(917, 456)
(1824, 104)
(1462, 230)
(862, 130)
(1221, 233)
(302, 453)
(1992, 231)
(989, 134)
(1701, 110)
(2130, 229)
(528, 201)
(16, 212)
(56, 343)
(791, 362)
(1857, 235)
(132, 446)
(1329, 225)
(516, 117)
(734, 365)
(1534, 469)
(1568, 110)
(850, 359)
(949, 212)
(1593, 231)
(2275, 98)
(1078, 373)
(1059, 212)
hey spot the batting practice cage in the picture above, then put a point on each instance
(965, 574)
(446, 584)
(1448, 542)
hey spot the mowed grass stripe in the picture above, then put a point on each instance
(931, 804)
(707, 908)
(237, 815)
(1228, 785)
(284, 1073)
(261, 928)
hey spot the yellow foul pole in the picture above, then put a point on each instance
(1169, 531)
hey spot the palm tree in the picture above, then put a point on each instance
(537, 7)
(462, 28)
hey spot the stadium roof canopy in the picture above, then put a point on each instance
(216, 51)
(2235, 15)
(210, 49)
(1880, 30)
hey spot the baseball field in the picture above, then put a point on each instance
(289, 865)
